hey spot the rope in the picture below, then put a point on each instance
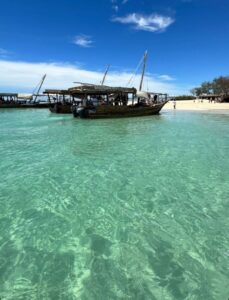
(36, 88)
(136, 70)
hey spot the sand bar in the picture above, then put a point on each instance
(198, 106)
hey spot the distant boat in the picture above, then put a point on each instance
(14, 100)
(62, 101)
(59, 108)
(9, 100)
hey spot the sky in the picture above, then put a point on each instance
(74, 40)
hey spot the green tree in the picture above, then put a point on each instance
(221, 85)
(206, 87)
(196, 91)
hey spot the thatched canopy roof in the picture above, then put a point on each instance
(100, 90)
(91, 90)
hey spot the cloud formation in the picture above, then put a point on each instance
(83, 41)
(166, 77)
(151, 23)
(23, 77)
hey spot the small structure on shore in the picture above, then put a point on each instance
(215, 97)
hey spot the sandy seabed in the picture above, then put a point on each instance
(198, 106)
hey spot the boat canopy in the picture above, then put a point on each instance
(25, 96)
(142, 94)
(100, 90)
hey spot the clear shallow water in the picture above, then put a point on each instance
(114, 209)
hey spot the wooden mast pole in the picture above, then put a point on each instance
(105, 74)
(40, 86)
(143, 70)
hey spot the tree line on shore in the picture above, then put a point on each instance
(218, 86)
(184, 97)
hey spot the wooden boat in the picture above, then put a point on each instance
(9, 100)
(60, 101)
(116, 102)
(35, 105)
(109, 111)
(99, 101)
(18, 104)
(15, 100)
(61, 108)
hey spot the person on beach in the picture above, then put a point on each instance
(174, 103)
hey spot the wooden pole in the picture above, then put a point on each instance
(40, 86)
(143, 70)
(105, 74)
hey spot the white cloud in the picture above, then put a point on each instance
(83, 41)
(152, 23)
(24, 76)
(166, 77)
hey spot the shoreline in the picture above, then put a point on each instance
(205, 106)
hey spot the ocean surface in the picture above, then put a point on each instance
(132, 208)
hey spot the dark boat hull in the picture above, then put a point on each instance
(120, 111)
(20, 105)
(60, 108)
(35, 105)
(10, 105)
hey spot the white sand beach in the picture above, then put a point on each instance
(197, 105)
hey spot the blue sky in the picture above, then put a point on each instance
(187, 42)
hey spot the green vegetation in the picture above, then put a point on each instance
(184, 97)
(219, 85)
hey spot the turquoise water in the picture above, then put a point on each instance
(114, 209)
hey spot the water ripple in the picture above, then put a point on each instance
(114, 209)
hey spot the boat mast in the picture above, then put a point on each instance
(143, 70)
(105, 74)
(40, 86)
